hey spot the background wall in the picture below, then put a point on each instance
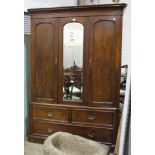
(126, 42)
(26, 81)
(47, 3)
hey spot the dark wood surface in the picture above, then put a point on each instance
(84, 8)
(101, 55)
(97, 133)
(50, 113)
(96, 116)
(43, 54)
(44, 60)
(93, 117)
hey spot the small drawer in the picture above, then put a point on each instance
(47, 128)
(93, 117)
(52, 113)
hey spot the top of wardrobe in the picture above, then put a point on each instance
(115, 8)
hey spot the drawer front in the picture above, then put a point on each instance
(42, 112)
(45, 128)
(93, 117)
(98, 134)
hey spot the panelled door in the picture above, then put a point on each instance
(44, 60)
(104, 61)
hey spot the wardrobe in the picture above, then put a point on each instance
(75, 71)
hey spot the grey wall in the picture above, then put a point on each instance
(26, 82)
(47, 3)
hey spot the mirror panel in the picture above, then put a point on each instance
(73, 61)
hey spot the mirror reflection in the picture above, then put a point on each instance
(73, 61)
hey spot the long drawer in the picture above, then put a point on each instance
(95, 133)
(51, 113)
(93, 117)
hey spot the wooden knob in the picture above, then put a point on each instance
(91, 117)
(91, 135)
(49, 130)
(49, 114)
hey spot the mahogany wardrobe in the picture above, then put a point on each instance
(75, 71)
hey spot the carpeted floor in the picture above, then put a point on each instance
(33, 149)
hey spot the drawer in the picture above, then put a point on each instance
(47, 128)
(52, 113)
(93, 117)
(97, 134)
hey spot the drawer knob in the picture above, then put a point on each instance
(91, 117)
(91, 135)
(49, 114)
(49, 130)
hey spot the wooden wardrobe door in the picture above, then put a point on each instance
(104, 60)
(44, 60)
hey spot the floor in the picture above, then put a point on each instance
(33, 148)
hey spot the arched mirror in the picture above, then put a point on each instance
(73, 61)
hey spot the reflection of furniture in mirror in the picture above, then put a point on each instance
(68, 86)
(73, 83)
(75, 71)
(124, 69)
